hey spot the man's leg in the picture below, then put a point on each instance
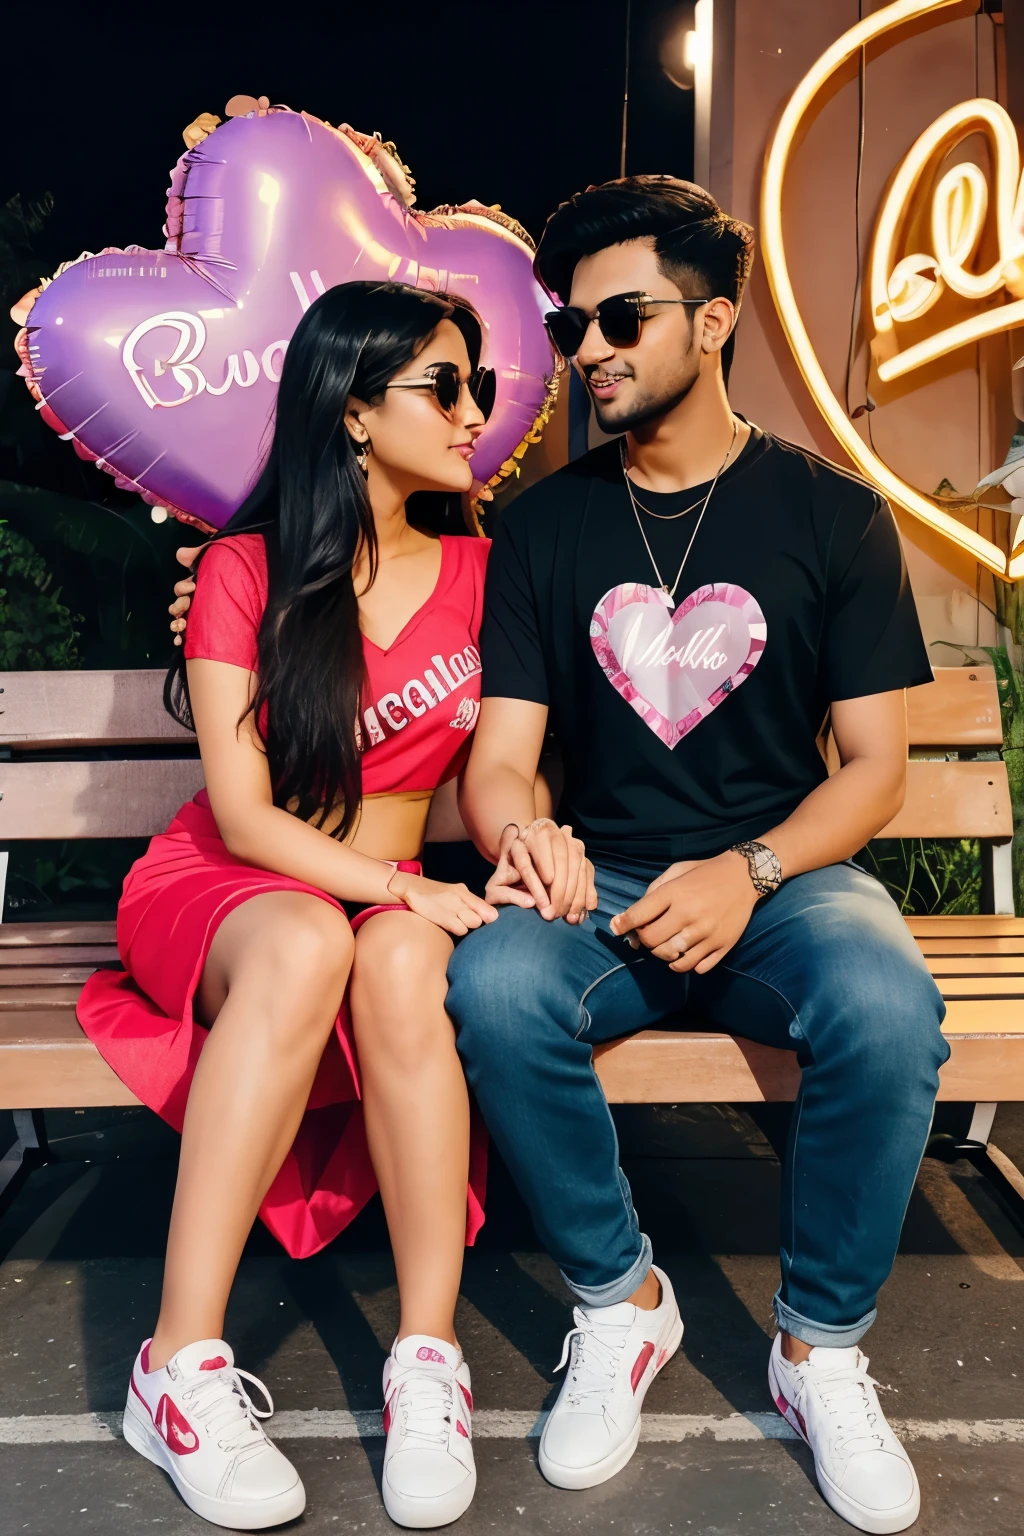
(529, 1000)
(828, 967)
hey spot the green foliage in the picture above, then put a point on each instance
(37, 631)
(1010, 686)
(19, 224)
(62, 881)
(929, 878)
(116, 568)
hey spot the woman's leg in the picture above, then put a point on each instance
(417, 1110)
(273, 982)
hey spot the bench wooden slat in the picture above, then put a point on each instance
(64, 709)
(35, 935)
(42, 975)
(988, 1015)
(968, 948)
(954, 800)
(942, 966)
(663, 1067)
(991, 924)
(960, 709)
(52, 995)
(49, 1063)
(56, 954)
(1011, 985)
(114, 799)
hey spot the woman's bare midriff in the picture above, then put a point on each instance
(390, 826)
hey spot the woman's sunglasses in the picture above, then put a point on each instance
(619, 318)
(446, 385)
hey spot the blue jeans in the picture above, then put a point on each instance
(826, 968)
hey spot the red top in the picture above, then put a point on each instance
(422, 694)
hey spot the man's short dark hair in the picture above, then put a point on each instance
(704, 251)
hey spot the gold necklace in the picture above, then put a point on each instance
(669, 517)
(670, 592)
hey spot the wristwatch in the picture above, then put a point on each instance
(763, 864)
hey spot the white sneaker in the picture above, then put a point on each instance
(593, 1429)
(195, 1419)
(429, 1473)
(862, 1470)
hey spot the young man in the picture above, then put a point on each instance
(684, 608)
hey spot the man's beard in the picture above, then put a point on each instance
(646, 408)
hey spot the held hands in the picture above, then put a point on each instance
(452, 907)
(693, 914)
(183, 591)
(545, 867)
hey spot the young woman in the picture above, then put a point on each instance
(281, 930)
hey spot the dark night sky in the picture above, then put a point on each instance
(512, 103)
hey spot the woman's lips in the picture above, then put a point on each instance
(465, 449)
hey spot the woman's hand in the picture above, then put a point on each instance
(452, 907)
(505, 888)
(183, 591)
(693, 914)
(549, 864)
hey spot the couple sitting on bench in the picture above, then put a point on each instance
(682, 608)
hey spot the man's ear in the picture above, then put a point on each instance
(719, 320)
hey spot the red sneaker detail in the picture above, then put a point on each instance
(640, 1365)
(145, 1356)
(387, 1417)
(468, 1396)
(175, 1430)
(433, 1355)
(461, 1428)
(218, 1363)
(786, 1408)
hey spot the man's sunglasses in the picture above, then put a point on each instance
(619, 318)
(443, 379)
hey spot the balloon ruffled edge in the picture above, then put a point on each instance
(512, 467)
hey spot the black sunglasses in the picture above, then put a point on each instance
(444, 381)
(619, 318)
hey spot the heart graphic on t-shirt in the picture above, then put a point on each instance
(675, 667)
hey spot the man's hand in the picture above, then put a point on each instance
(183, 591)
(693, 914)
(548, 865)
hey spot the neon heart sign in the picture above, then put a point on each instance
(905, 288)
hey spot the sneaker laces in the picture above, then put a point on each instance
(849, 1399)
(225, 1409)
(595, 1360)
(425, 1405)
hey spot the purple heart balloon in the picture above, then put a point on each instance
(163, 365)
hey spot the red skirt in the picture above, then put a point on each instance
(140, 1019)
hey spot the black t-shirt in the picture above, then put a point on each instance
(686, 730)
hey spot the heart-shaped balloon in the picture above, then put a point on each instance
(163, 365)
(674, 667)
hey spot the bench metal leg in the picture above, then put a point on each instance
(1006, 1179)
(980, 1128)
(1001, 855)
(28, 1150)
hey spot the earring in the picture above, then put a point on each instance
(363, 458)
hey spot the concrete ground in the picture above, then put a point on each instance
(79, 1283)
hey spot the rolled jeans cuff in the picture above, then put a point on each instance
(616, 1290)
(830, 1335)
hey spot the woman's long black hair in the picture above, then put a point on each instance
(312, 508)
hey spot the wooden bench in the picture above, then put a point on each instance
(49, 788)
